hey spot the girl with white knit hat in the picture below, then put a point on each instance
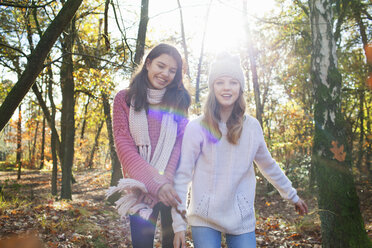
(217, 155)
(148, 124)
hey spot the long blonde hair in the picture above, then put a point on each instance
(212, 117)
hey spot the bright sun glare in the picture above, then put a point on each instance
(226, 28)
(225, 31)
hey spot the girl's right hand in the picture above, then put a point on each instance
(179, 240)
(168, 195)
(301, 207)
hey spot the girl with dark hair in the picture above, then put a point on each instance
(218, 150)
(148, 123)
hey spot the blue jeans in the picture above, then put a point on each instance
(143, 231)
(205, 237)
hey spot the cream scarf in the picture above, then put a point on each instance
(138, 127)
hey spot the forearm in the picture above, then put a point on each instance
(132, 163)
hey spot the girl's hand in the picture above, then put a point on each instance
(301, 207)
(168, 195)
(179, 240)
(143, 197)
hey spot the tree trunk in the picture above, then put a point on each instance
(89, 161)
(19, 142)
(32, 153)
(67, 117)
(36, 60)
(342, 223)
(184, 42)
(42, 146)
(84, 121)
(47, 116)
(54, 136)
(252, 62)
(369, 144)
(142, 29)
(357, 11)
(197, 85)
(361, 132)
(116, 174)
(105, 28)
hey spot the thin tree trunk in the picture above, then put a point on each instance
(67, 117)
(47, 116)
(361, 132)
(84, 121)
(36, 60)
(142, 29)
(184, 41)
(105, 28)
(54, 136)
(89, 161)
(197, 86)
(256, 88)
(19, 142)
(42, 146)
(341, 220)
(116, 174)
(369, 144)
(252, 62)
(32, 153)
(357, 11)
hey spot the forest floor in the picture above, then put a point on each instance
(31, 217)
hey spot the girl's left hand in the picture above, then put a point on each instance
(301, 207)
(179, 240)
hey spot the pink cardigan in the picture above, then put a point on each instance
(132, 164)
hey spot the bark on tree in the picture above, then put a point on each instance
(342, 223)
(142, 29)
(116, 174)
(54, 136)
(47, 115)
(252, 62)
(42, 145)
(89, 161)
(67, 117)
(33, 148)
(105, 31)
(84, 121)
(184, 42)
(36, 60)
(19, 142)
(357, 13)
(361, 132)
(197, 84)
(369, 146)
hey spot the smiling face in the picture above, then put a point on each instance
(227, 90)
(161, 71)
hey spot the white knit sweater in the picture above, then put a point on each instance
(223, 178)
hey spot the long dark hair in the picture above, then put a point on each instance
(176, 97)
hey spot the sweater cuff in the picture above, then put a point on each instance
(178, 223)
(154, 186)
(170, 177)
(295, 199)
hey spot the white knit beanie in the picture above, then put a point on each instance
(226, 64)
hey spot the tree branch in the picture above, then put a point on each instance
(13, 4)
(36, 60)
(14, 48)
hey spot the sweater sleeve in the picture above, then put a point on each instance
(132, 163)
(175, 155)
(191, 149)
(271, 170)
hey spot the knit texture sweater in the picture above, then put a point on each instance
(222, 177)
(133, 165)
